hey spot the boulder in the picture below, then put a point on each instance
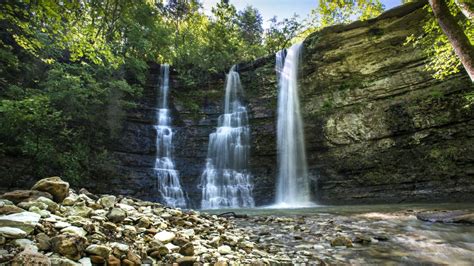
(25, 221)
(54, 186)
(70, 246)
(18, 196)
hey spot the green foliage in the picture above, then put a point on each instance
(330, 12)
(443, 61)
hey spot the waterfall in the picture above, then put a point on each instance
(293, 184)
(226, 181)
(167, 176)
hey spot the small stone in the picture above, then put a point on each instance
(99, 250)
(52, 206)
(54, 186)
(113, 261)
(362, 239)
(224, 249)
(187, 249)
(79, 209)
(74, 230)
(61, 261)
(116, 215)
(381, 237)
(43, 241)
(30, 257)
(188, 232)
(144, 222)
(12, 232)
(120, 247)
(97, 259)
(172, 247)
(25, 244)
(25, 221)
(107, 201)
(9, 209)
(134, 258)
(70, 246)
(186, 260)
(85, 261)
(28, 204)
(341, 241)
(61, 225)
(165, 236)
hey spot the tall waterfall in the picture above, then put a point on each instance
(293, 184)
(166, 174)
(225, 182)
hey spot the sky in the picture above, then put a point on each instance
(281, 8)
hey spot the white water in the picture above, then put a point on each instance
(226, 181)
(165, 172)
(293, 183)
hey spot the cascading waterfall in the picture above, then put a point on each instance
(226, 181)
(293, 183)
(167, 176)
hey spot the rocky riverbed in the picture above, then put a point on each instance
(54, 225)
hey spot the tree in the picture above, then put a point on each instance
(281, 33)
(455, 34)
(343, 11)
(250, 24)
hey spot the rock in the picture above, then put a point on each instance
(224, 249)
(165, 236)
(12, 232)
(95, 259)
(172, 247)
(43, 242)
(362, 239)
(122, 248)
(54, 186)
(341, 241)
(10, 209)
(52, 206)
(188, 232)
(34, 203)
(133, 258)
(61, 261)
(186, 261)
(457, 216)
(25, 221)
(116, 215)
(25, 244)
(85, 261)
(381, 237)
(99, 250)
(30, 257)
(74, 230)
(107, 201)
(61, 225)
(18, 196)
(70, 246)
(79, 209)
(187, 249)
(113, 261)
(144, 222)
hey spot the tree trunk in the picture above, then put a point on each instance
(467, 8)
(456, 36)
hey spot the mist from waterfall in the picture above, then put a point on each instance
(226, 181)
(167, 176)
(293, 183)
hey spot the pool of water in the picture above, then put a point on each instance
(395, 236)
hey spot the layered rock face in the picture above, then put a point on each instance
(378, 127)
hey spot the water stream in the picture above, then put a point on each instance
(226, 180)
(292, 182)
(167, 176)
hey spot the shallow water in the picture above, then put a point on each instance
(397, 236)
